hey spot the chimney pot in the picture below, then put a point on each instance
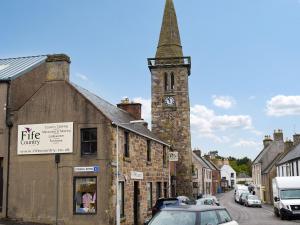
(267, 140)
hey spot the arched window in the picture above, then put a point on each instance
(166, 82)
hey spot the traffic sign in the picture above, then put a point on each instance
(173, 156)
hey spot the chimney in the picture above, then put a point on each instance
(58, 67)
(134, 109)
(288, 145)
(296, 139)
(197, 152)
(267, 140)
(278, 135)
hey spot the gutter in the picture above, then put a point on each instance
(9, 124)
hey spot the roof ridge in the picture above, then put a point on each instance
(22, 57)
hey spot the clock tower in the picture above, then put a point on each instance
(170, 71)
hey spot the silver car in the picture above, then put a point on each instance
(192, 215)
(252, 200)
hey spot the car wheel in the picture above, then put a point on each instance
(276, 212)
(282, 217)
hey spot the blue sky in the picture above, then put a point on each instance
(245, 58)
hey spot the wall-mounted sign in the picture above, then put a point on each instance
(173, 156)
(137, 175)
(93, 169)
(48, 138)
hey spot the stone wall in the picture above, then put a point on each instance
(153, 171)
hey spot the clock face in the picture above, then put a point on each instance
(169, 101)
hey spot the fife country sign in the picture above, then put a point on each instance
(48, 138)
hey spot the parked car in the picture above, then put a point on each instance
(166, 202)
(252, 200)
(208, 200)
(214, 198)
(192, 215)
(286, 192)
(243, 197)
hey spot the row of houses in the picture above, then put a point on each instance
(211, 176)
(277, 158)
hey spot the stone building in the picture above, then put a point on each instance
(59, 145)
(202, 175)
(264, 165)
(170, 71)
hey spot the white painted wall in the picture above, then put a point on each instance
(226, 172)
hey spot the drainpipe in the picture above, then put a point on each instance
(9, 124)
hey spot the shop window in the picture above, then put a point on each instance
(148, 150)
(149, 195)
(89, 141)
(164, 156)
(121, 198)
(85, 200)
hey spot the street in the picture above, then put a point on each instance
(251, 216)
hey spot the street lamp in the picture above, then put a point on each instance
(117, 178)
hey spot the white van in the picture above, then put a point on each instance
(286, 196)
(239, 189)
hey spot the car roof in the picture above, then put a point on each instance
(193, 208)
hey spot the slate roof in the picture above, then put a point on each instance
(12, 68)
(211, 164)
(270, 166)
(116, 115)
(200, 159)
(292, 155)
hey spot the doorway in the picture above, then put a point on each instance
(136, 203)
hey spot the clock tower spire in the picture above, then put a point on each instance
(170, 99)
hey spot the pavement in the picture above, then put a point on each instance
(252, 216)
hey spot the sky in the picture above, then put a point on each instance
(245, 58)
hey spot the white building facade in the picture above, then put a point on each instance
(228, 173)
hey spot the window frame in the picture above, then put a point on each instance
(149, 191)
(122, 198)
(89, 141)
(149, 158)
(126, 144)
(158, 187)
(74, 195)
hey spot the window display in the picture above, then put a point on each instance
(85, 197)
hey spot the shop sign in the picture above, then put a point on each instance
(137, 175)
(173, 156)
(48, 138)
(93, 169)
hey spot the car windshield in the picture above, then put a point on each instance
(290, 194)
(174, 218)
(170, 202)
(252, 197)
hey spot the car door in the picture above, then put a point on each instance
(225, 218)
(209, 217)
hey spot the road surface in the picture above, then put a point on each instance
(252, 216)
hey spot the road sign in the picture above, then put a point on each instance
(94, 169)
(173, 156)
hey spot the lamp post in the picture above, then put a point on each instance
(117, 161)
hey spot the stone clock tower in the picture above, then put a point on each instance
(170, 71)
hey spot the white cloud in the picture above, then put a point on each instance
(246, 144)
(146, 109)
(225, 102)
(82, 76)
(282, 105)
(206, 123)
